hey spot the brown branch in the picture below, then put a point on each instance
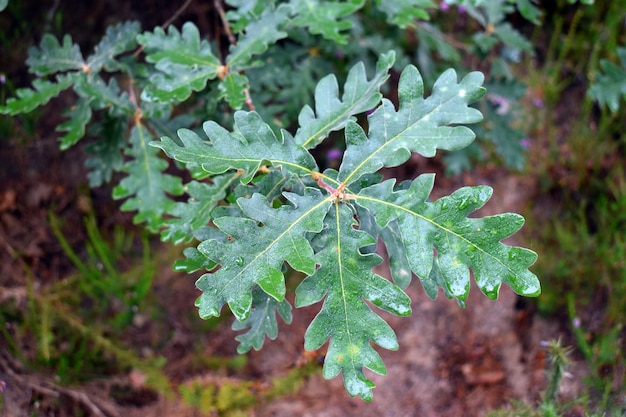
(227, 30)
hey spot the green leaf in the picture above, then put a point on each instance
(105, 96)
(28, 100)
(258, 35)
(51, 56)
(420, 125)
(392, 238)
(257, 247)
(325, 18)
(146, 186)
(106, 155)
(78, 117)
(117, 39)
(331, 113)
(251, 145)
(196, 212)
(232, 89)
(610, 87)
(460, 242)
(262, 321)
(404, 13)
(185, 63)
(345, 279)
(528, 9)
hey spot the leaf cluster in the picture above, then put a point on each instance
(258, 202)
(292, 214)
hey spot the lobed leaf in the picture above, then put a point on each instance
(332, 113)
(610, 86)
(256, 249)
(196, 212)
(184, 63)
(325, 17)
(232, 89)
(419, 125)
(345, 279)
(117, 39)
(460, 242)
(51, 56)
(251, 145)
(262, 321)
(106, 154)
(259, 34)
(104, 96)
(78, 117)
(146, 186)
(404, 13)
(29, 99)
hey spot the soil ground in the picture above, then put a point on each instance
(451, 362)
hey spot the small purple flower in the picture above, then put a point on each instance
(334, 153)
(538, 102)
(3, 79)
(525, 142)
(462, 10)
(444, 6)
(576, 322)
(3, 386)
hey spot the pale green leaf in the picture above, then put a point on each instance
(609, 87)
(460, 242)
(3, 4)
(146, 187)
(251, 145)
(404, 13)
(258, 35)
(257, 247)
(232, 89)
(117, 39)
(332, 113)
(106, 154)
(183, 61)
(196, 212)
(105, 96)
(262, 321)
(78, 117)
(345, 279)
(326, 18)
(29, 99)
(419, 125)
(50, 56)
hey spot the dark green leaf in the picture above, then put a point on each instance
(196, 212)
(50, 56)
(258, 35)
(117, 39)
(250, 146)
(404, 13)
(460, 242)
(261, 321)
(78, 117)
(146, 187)
(258, 246)
(345, 279)
(420, 125)
(609, 87)
(331, 113)
(232, 89)
(326, 18)
(28, 100)
(184, 63)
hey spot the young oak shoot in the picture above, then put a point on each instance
(324, 224)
